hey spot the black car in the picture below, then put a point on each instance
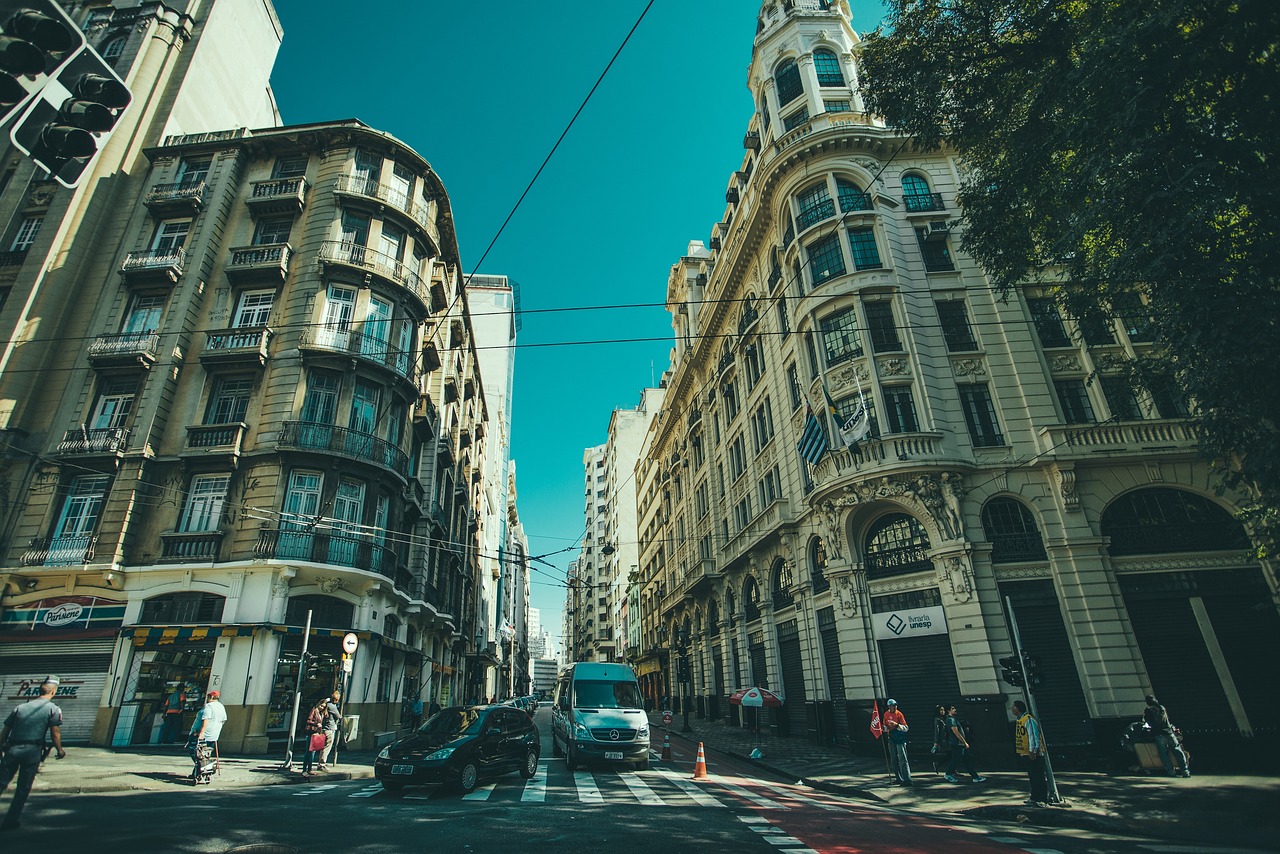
(461, 745)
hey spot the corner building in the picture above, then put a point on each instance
(1006, 473)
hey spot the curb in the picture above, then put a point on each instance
(91, 789)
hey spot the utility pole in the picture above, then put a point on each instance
(297, 695)
(1054, 797)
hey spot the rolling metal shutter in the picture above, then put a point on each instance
(792, 677)
(83, 676)
(835, 671)
(920, 674)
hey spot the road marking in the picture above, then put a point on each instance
(315, 790)
(754, 819)
(480, 794)
(641, 790)
(535, 788)
(790, 792)
(752, 797)
(586, 785)
(367, 792)
(697, 795)
(782, 840)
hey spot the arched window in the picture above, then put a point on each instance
(713, 616)
(185, 607)
(1012, 532)
(814, 205)
(818, 565)
(751, 599)
(391, 627)
(852, 198)
(697, 624)
(917, 195)
(1157, 520)
(787, 80)
(112, 49)
(828, 68)
(782, 583)
(897, 545)
(730, 609)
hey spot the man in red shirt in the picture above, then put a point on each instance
(896, 723)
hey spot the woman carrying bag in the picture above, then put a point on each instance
(314, 729)
(941, 749)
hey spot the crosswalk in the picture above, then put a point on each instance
(657, 787)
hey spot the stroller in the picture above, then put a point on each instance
(205, 756)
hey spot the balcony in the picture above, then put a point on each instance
(269, 263)
(243, 346)
(277, 197)
(330, 439)
(749, 318)
(701, 575)
(726, 362)
(197, 545)
(1137, 438)
(366, 260)
(10, 264)
(923, 203)
(184, 198)
(82, 440)
(207, 440)
(154, 266)
(392, 197)
(1017, 548)
(60, 551)
(886, 452)
(124, 349)
(368, 348)
(321, 545)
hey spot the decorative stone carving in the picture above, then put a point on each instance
(1060, 364)
(330, 584)
(1154, 472)
(955, 573)
(851, 375)
(1172, 564)
(830, 529)
(41, 194)
(846, 594)
(969, 367)
(1023, 572)
(872, 166)
(937, 495)
(1067, 488)
(895, 367)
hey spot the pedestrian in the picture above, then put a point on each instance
(332, 720)
(896, 723)
(205, 729)
(23, 746)
(941, 737)
(415, 713)
(1167, 742)
(313, 732)
(174, 705)
(1028, 741)
(433, 709)
(959, 749)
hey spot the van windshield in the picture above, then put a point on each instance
(606, 695)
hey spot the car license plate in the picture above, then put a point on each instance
(406, 770)
(613, 754)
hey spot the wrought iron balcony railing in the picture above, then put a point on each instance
(318, 545)
(372, 348)
(60, 551)
(382, 265)
(328, 438)
(83, 440)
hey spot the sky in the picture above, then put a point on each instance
(483, 91)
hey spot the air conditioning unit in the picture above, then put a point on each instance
(938, 231)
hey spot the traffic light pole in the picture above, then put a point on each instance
(1054, 797)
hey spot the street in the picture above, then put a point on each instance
(661, 809)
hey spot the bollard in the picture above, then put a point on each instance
(666, 747)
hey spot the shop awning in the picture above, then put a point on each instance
(173, 634)
(363, 634)
(648, 665)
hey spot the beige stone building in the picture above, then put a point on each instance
(239, 387)
(1007, 476)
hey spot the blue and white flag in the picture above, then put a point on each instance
(813, 441)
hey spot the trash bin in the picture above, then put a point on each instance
(350, 728)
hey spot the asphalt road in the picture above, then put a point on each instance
(598, 810)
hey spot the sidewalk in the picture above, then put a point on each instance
(1214, 809)
(160, 768)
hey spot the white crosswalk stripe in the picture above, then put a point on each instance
(586, 785)
(795, 794)
(641, 790)
(481, 793)
(749, 796)
(695, 793)
(367, 791)
(535, 788)
(315, 790)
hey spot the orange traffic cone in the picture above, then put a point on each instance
(666, 747)
(700, 767)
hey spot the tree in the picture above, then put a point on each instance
(1125, 151)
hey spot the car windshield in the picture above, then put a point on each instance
(454, 722)
(606, 695)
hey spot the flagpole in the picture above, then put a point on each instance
(863, 592)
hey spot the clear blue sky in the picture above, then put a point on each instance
(482, 91)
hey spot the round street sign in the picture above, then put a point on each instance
(666, 716)
(350, 642)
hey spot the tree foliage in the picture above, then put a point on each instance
(1125, 150)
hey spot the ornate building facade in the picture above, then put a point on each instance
(1008, 479)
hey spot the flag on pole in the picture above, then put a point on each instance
(876, 729)
(857, 425)
(813, 441)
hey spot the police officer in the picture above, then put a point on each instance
(23, 742)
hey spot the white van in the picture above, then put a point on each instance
(598, 715)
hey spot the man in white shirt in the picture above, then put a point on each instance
(206, 728)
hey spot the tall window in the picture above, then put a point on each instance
(377, 328)
(289, 166)
(229, 401)
(862, 241)
(768, 488)
(851, 196)
(368, 169)
(355, 228)
(1048, 322)
(840, 336)
(339, 309)
(112, 50)
(917, 195)
(896, 545)
(762, 425)
(882, 327)
(170, 236)
(114, 403)
(825, 259)
(737, 458)
(936, 255)
(793, 386)
(348, 513)
(364, 408)
(272, 229)
(254, 308)
(194, 171)
(77, 520)
(784, 321)
(391, 242)
(26, 235)
(729, 397)
(980, 415)
(787, 82)
(828, 68)
(320, 403)
(1011, 530)
(144, 314)
(955, 326)
(900, 409)
(814, 204)
(301, 509)
(401, 189)
(847, 406)
(818, 565)
(1120, 399)
(1074, 398)
(204, 503)
(753, 357)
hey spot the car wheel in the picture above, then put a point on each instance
(555, 748)
(468, 778)
(530, 766)
(643, 764)
(570, 759)
(393, 788)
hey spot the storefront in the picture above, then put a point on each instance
(167, 662)
(72, 637)
(322, 676)
(910, 630)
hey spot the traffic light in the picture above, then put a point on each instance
(1011, 671)
(36, 39)
(72, 117)
(1031, 670)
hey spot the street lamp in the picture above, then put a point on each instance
(683, 675)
